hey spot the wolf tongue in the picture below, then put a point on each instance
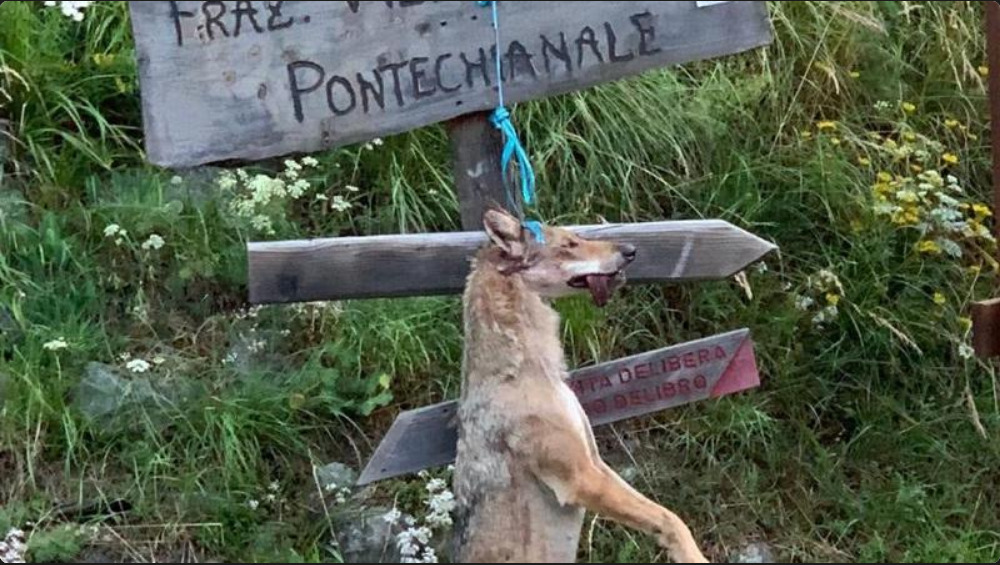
(599, 288)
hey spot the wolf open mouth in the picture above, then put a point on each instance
(600, 285)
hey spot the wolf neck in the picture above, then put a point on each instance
(510, 331)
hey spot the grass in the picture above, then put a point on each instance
(871, 439)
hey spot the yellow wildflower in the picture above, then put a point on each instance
(910, 216)
(973, 137)
(835, 141)
(832, 298)
(950, 158)
(965, 324)
(983, 70)
(909, 107)
(806, 134)
(826, 125)
(854, 74)
(981, 211)
(909, 136)
(928, 246)
(951, 124)
(907, 196)
(940, 299)
(890, 144)
(884, 177)
(864, 161)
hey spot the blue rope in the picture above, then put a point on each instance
(512, 144)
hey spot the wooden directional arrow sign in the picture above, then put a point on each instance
(430, 264)
(610, 392)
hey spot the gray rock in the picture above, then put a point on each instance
(757, 552)
(106, 396)
(103, 392)
(336, 476)
(364, 536)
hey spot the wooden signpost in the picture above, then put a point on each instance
(986, 313)
(249, 80)
(609, 392)
(256, 79)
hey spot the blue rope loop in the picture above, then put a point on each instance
(512, 148)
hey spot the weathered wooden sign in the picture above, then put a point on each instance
(610, 392)
(256, 79)
(429, 264)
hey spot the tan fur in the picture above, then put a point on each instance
(528, 466)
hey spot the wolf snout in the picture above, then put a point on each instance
(628, 252)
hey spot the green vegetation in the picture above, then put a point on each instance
(873, 438)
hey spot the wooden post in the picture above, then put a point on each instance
(476, 146)
(993, 60)
(986, 314)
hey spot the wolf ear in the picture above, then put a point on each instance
(504, 231)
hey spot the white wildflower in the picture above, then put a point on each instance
(392, 517)
(804, 303)
(341, 498)
(950, 247)
(965, 351)
(159, 360)
(436, 486)
(138, 366)
(13, 547)
(377, 142)
(339, 204)
(322, 198)
(72, 10)
(441, 506)
(352, 188)
(227, 181)
(275, 486)
(761, 267)
(310, 162)
(826, 315)
(271, 498)
(253, 504)
(55, 345)
(176, 180)
(112, 230)
(155, 242)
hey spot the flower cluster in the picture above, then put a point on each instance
(13, 547)
(259, 198)
(72, 10)
(947, 222)
(825, 292)
(270, 498)
(55, 345)
(413, 542)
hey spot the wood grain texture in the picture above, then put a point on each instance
(609, 392)
(986, 328)
(434, 264)
(476, 147)
(252, 80)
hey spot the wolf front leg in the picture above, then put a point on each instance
(571, 467)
